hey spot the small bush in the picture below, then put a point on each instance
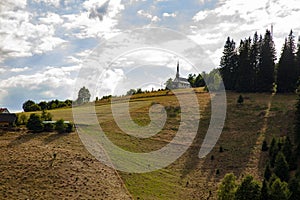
(34, 123)
(264, 146)
(240, 100)
(60, 126)
(48, 127)
(70, 128)
(217, 172)
(212, 157)
(221, 149)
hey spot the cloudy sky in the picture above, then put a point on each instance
(44, 43)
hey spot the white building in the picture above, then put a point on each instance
(180, 82)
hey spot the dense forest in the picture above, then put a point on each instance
(252, 66)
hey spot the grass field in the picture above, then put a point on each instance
(260, 117)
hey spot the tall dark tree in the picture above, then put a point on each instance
(266, 65)
(297, 125)
(229, 64)
(298, 59)
(249, 189)
(287, 73)
(244, 73)
(264, 194)
(281, 167)
(254, 61)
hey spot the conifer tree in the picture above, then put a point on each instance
(267, 59)
(245, 72)
(281, 167)
(287, 74)
(264, 195)
(249, 189)
(227, 188)
(228, 64)
(279, 190)
(254, 62)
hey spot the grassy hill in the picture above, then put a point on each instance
(260, 117)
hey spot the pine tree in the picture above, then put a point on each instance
(294, 187)
(281, 167)
(287, 74)
(298, 60)
(244, 73)
(279, 190)
(249, 189)
(287, 150)
(267, 173)
(297, 125)
(227, 188)
(264, 195)
(228, 64)
(254, 62)
(267, 59)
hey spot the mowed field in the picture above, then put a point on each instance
(41, 166)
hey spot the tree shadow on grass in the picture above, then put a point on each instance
(54, 136)
(25, 138)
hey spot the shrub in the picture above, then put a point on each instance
(70, 128)
(48, 127)
(264, 146)
(60, 126)
(240, 100)
(34, 123)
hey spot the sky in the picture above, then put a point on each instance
(46, 43)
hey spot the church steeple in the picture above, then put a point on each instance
(177, 74)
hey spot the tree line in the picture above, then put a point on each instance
(83, 97)
(251, 67)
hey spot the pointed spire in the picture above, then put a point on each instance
(177, 74)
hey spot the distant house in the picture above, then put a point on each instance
(7, 118)
(4, 110)
(180, 82)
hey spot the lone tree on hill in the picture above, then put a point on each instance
(83, 95)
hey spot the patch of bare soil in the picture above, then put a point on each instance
(53, 166)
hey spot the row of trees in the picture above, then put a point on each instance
(35, 123)
(83, 97)
(30, 105)
(251, 67)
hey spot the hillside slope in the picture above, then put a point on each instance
(260, 117)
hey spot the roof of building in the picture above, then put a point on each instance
(4, 110)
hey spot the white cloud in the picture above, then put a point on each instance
(49, 2)
(21, 37)
(169, 14)
(51, 18)
(20, 69)
(241, 19)
(147, 15)
(90, 25)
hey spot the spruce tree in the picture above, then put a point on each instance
(244, 73)
(267, 59)
(249, 189)
(279, 190)
(294, 187)
(227, 188)
(281, 167)
(287, 73)
(254, 62)
(267, 173)
(228, 64)
(264, 194)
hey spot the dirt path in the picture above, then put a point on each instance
(53, 166)
(256, 162)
